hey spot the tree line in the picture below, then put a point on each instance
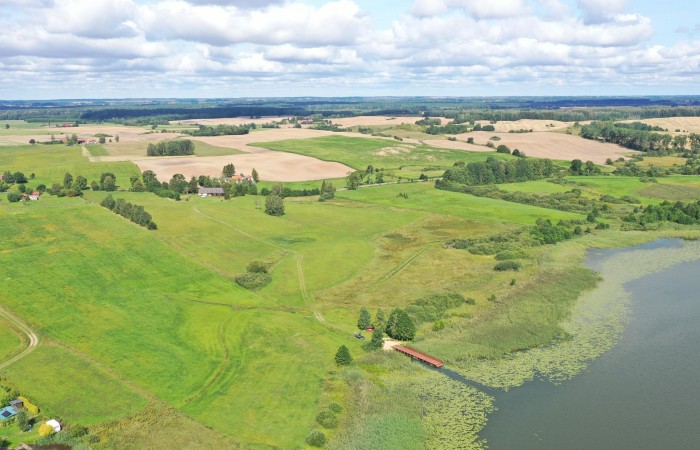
(135, 213)
(494, 171)
(171, 148)
(220, 130)
(678, 212)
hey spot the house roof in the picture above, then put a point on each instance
(7, 412)
(36, 193)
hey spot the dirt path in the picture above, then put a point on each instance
(24, 328)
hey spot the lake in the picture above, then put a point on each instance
(642, 394)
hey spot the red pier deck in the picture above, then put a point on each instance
(419, 356)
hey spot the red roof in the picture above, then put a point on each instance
(418, 355)
(36, 193)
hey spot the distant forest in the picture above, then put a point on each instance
(460, 109)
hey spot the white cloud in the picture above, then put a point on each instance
(270, 45)
(597, 11)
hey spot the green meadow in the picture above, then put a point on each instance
(380, 153)
(147, 339)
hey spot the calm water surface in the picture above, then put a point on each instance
(643, 394)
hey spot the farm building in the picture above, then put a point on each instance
(238, 179)
(415, 354)
(34, 196)
(206, 192)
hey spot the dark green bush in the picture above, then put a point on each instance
(316, 439)
(327, 419)
(506, 265)
(336, 408)
(253, 280)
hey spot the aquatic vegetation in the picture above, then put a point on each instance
(596, 323)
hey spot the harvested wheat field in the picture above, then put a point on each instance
(685, 124)
(542, 145)
(529, 124)
(272, 166)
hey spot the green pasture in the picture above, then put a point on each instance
(424, 197)
(65, 383)
(380, 153)
(51, 162)
(170, 327)
(683, 188)
(10, 342)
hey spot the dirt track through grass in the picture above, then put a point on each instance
(32, 337)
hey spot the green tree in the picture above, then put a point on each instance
(13, 197)
(354, 180)
(23, 420)
(255, 176)
(365, 319)
(400, 325)
(32, 141)
(7, 126)
(405, 328)
(377, 341)
(80, 183)
(108, 184)
(576, 167)
(327, 191)
(116, 138)
(274, 205)
(108, 202)
(102, 140)
(343, 357)
(192, 185)
(229, 170)
(94, 186)
(380, 319)
(67, 181)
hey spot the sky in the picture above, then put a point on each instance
(56, 49)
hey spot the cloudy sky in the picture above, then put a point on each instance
(243, 48)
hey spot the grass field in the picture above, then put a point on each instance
(147, 338)
(10, 341)
(360, 153)
(424, 197)
(51, 162)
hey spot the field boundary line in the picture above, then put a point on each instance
(33, 337)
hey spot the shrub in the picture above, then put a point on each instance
(439, 325)
(327, 419)
(253, 280)
(316, 438)
(32, 408)
(508, 254)
(506, 265)
(257, 267)
(13, 197)
(23, 420)
(46, 430)
(336, 408)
